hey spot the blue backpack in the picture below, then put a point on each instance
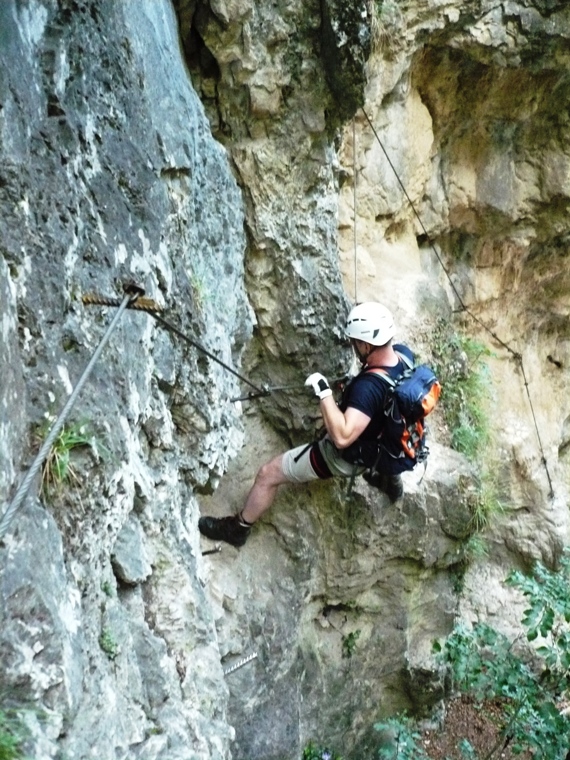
(410, 398)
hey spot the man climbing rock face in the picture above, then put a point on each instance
(352, 428)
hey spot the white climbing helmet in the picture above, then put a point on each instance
(370, 322)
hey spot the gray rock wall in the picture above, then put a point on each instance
(109, 173)
(460, 139)
(205, 151)
(277, 82)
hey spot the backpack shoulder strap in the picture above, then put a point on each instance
(406, 359)
(381, 372)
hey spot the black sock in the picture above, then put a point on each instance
(244, 522)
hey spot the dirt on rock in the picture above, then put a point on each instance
(480, 724)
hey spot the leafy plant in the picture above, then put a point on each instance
(58, 468)
(11, 735)
(314, 752)
(460, 365)
(532, 690)
(200, 290)
(349, 643)
(108, 644)
(475, 548)
(399, 740)
(203, 286)
(107, 588)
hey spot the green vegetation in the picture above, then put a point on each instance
(107, 588)
(349, 643)
(314, 752)
(522, 690)
(475, 548)
(58, 469)
(386, 8)
(200, 291)
(461, 367)
(204, 291)
(485, 505)
(108, 643)
(460, 363)
(12, 735)
(532, 690)
(385, 21)
(399, 740)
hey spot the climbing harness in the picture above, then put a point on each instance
(515, 354)
(351, 481)
(240, 664)
(132, 292)
(134, 299)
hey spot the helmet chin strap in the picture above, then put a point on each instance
(363, 357)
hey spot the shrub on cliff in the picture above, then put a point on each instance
(523, 689)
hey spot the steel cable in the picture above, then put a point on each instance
(22, 491)
(152, 308)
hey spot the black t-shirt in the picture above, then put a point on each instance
(367, 392)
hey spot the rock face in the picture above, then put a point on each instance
(110, 173)
(475, 111)
(222, 154)
(277, 82)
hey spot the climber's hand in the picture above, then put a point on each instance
(319, 384)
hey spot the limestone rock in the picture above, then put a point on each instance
(217, 153)
(129, 555)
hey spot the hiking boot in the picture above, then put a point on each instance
(391, 485)
(229, 529)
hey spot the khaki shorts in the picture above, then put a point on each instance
(302, 471)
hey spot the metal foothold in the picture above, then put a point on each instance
(212, 551)
(240, 664)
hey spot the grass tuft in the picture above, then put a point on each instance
(58, 469)
(11, 735)
(108, 644)
(461, 364)
(385, 22)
